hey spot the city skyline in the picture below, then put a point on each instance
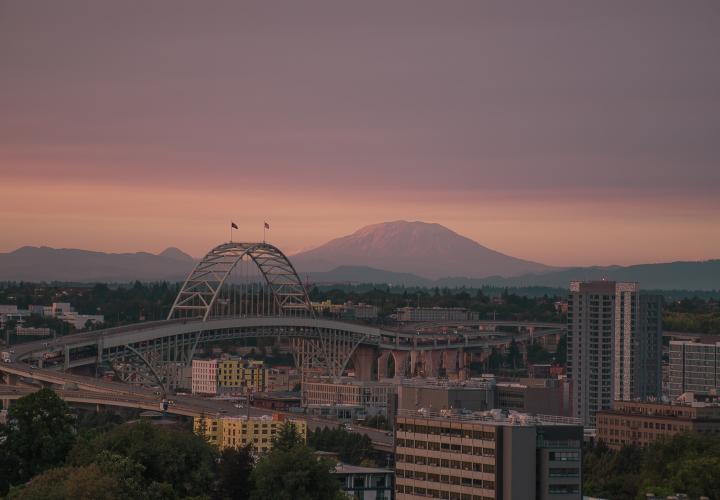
(483, 118)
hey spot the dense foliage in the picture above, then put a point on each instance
(170, 459)
(506, 305)
(43, 456)
(121, 304)
(352, 448)
(686, 463)
(692, 315)
(39, 434)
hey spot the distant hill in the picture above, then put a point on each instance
(668, 276)
(364, 274)
(68, 264)
(703, 275)
(73, 265)
(427, 250)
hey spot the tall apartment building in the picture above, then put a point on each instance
(487, 457)
(694, 367)
(614, 345)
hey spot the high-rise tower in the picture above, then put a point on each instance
(614, 345)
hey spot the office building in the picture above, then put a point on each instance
(614, 345)
(524, 395)
(438, 395)
(345, 398)
(240, 431)
(694, 367)
(365, 483)
(487, 456)
(638, 423)
(546, 396)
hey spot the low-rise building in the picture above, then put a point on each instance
(364, 311)
(435, 314)
(487, 456)
(237, 375)
(641, 423)
(228, 376)
(694, 367)
(346, 398)
(546, 396)
(33, 332)
(436, 395)
(205, 377)
(280, 401)
(241, 431)
(365, 483)
(525, 395)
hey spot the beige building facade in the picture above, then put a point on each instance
(486, 457)
(639, 424)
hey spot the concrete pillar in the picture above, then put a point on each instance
(382, 363)
(402, 364)
(363, 359)
(8, 379)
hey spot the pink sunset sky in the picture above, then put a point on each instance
(563, 133)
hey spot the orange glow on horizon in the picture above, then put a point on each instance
(545, 227)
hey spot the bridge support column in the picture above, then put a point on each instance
(8, 378)
(363, 360)
(382, 361)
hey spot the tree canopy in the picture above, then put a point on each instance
(39, 434)
(352, 448)
(686, 463)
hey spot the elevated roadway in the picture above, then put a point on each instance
(274, 326)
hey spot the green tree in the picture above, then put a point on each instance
(287, 437)
(111, 477)
(234, 473)
(294, 474)
(170, 457)
(351, 447)
(561, 351)
(38, 436)
(536, 353)
(513, 356)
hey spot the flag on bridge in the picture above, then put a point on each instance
(267, 226)
(233, 225)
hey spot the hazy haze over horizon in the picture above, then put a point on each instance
(561, 133)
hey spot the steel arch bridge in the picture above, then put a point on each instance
(201, 294)
(211, 307)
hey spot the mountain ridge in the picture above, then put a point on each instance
(426, 249)
(403, 241)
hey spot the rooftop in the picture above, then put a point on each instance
(357, 469)
(492, 417)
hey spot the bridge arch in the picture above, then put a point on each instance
(201, 290)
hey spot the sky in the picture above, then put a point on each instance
(569, 133)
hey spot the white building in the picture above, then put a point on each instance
(365, 483)
(205, 376)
